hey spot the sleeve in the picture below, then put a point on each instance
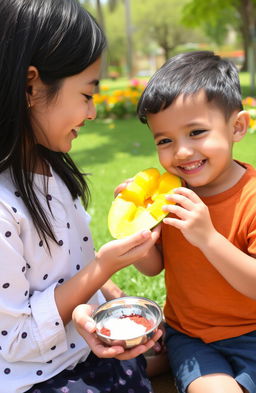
(251, 237)
(31, 329)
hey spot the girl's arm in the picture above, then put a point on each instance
(194, 221)
(112, 257)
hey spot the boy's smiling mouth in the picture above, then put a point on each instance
(191, 167)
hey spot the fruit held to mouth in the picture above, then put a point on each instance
(139, 205)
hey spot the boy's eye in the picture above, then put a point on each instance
(164, 141)
(88, 97)
(197, 132)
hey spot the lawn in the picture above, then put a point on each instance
(113, 151)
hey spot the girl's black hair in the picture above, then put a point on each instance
(60, 38)
(188, 73)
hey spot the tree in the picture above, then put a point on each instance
(160, 22)
(104, 13)
(219, 15)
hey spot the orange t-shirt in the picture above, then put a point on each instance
(199, 301)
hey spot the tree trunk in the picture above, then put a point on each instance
(129, 38)
(101, 22)
(247, 13)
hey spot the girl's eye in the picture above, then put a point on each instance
(164, 141)
(197, 132)
(88, 97)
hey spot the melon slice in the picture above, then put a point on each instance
(139, 205)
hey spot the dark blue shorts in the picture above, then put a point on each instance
(191, 358)
(100, 376)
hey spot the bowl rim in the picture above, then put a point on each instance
(158, 321)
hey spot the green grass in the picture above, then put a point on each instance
(245, 84)
(112, 152)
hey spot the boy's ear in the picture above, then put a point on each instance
(33, 81)
(241, 125)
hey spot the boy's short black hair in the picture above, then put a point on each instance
(188, 73)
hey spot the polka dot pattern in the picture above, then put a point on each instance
(36, 271)
(98, 376)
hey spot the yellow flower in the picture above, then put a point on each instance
(104, 87)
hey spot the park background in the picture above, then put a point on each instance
(141, 35)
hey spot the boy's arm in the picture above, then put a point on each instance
(152, 263)
(111, 291)
(194, 221)
(238, 268)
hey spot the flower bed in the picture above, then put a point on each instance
(122, 103)
(118, 104)
(249, 104)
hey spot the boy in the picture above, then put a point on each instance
(193, 107)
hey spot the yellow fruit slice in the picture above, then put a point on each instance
(139, 205)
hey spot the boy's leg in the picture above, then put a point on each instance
(192, 360)
(215, 383)
(240, 352)
(200, 367)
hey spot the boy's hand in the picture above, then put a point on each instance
(193, 218)
(85, 326)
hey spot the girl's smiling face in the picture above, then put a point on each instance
(194, 141)
(57, 122)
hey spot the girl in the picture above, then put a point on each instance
(49, 66)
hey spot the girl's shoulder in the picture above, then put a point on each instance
(11, 204)
(8, 191)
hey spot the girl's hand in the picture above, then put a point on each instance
(118, 254)
(193, 217)
(122, 186)
(86, 328)
(159, 346)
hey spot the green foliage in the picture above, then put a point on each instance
(160, 22)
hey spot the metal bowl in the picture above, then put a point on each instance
(123, 307)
